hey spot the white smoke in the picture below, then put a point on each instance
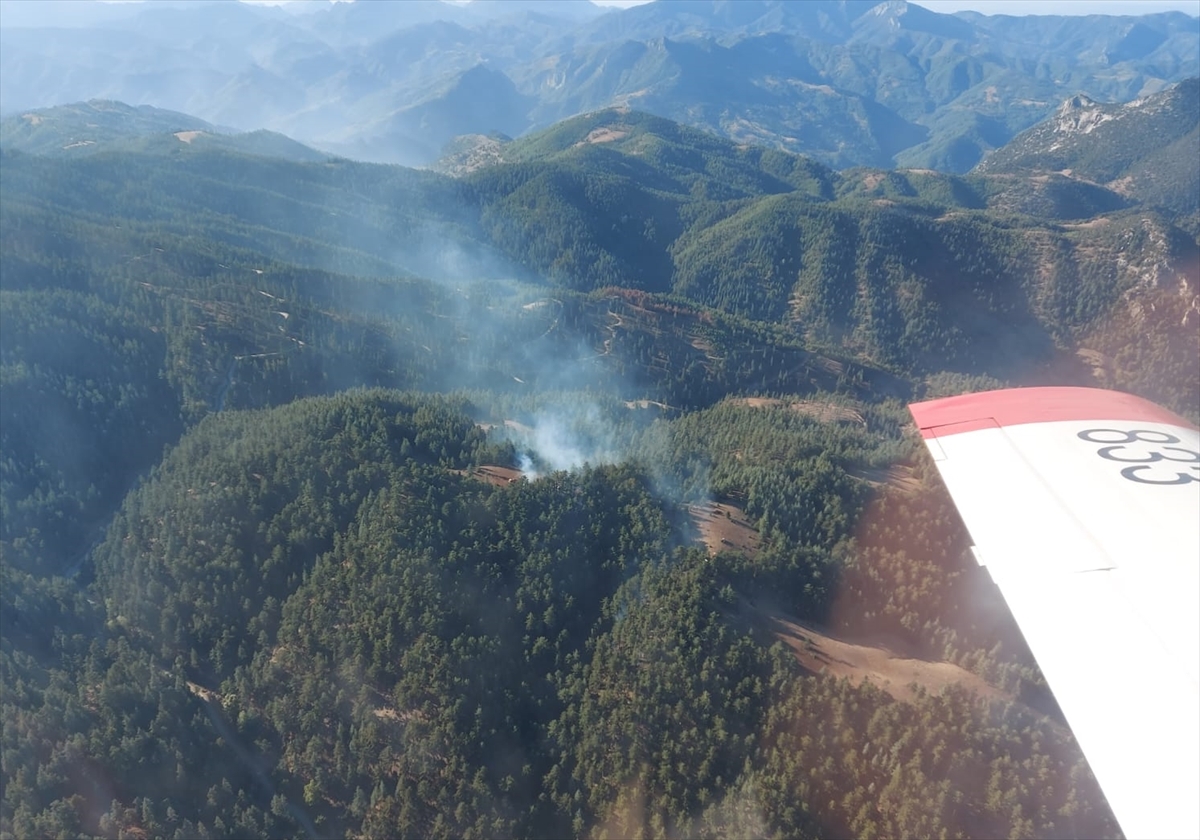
(567, 438)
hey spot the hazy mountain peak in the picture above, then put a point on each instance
(1081, 113)
(1146, 148)
(1079, 100)
(852, 82)
(896, 16)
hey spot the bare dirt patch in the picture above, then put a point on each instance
(820, 653)
(34, 119)
(704, 346)
(757, 402)
(475, 151)
(823, 412)
(901, 477)
(648, 404)
(828, 412)
(187, 136)
(1099, 221)
(1123, 186)
(603, 135)
(1099, 364)
(204, 693)
(493, 474)
(723, 527)
(388, 713)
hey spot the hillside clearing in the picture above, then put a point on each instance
(897, 675)
(723, 527)
(822, 412)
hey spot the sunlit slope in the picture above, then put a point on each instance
(1145, 149)
(88, 128)
(687, 159)
(922, 288)
(83, 127)
(912, 270)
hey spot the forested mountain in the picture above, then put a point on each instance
(1145, 149)
(343, 499)
(87, 128)
(67, 128)
(849, 82)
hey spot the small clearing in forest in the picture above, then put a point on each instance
(899, 476)
(492, 474)
(723, 527)
(822, 412)
(823, 654)
(603, 135)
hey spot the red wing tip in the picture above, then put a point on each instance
(1017, 406)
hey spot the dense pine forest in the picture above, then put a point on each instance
(341, 499)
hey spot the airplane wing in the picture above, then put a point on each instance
(1084, 505)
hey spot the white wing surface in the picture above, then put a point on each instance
(1084, 505)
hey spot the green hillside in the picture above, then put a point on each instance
(72, 129)
(347, 499)
(97, 126)
(1145, 149)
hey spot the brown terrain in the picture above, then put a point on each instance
(723, 527)
(823, 412)
(603, 135)
(886, 669)
(900, 476)
(493, 474)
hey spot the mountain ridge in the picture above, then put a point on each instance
(104, 125)
(970, 82)
(620, 198)
(1144, 149)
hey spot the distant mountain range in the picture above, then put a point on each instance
(849, 82)
(85, 128)
(1147, 149)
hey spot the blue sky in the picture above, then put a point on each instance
(987, 7)
(1030, 7)
(1063, 7)
(1001, 7)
